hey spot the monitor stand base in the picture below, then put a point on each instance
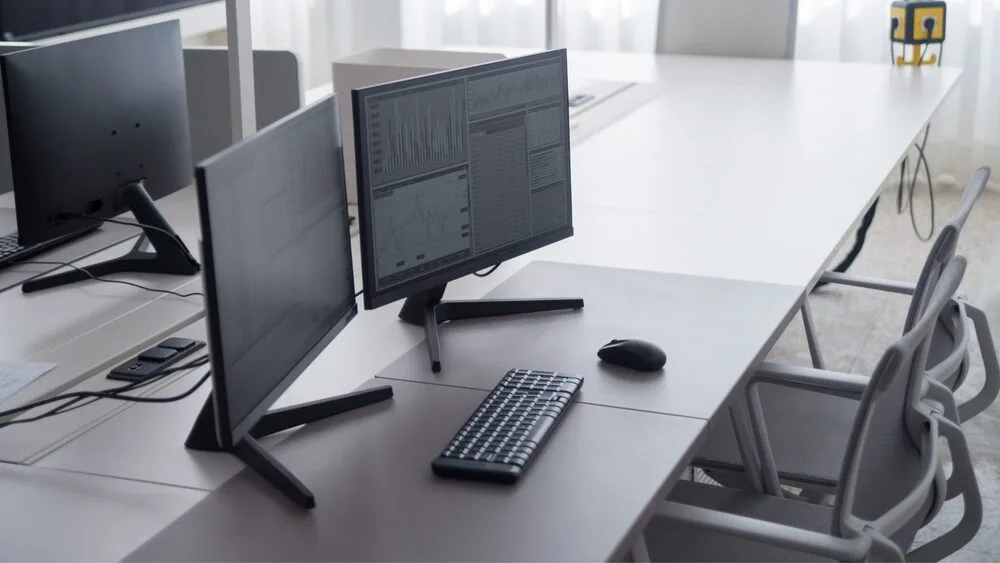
(428, 310)
(169, 255)
(203, 436)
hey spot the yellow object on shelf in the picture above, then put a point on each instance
(916, 24)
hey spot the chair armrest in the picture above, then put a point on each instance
(962, 482)
(789, 537)
(847, 385)
(991, 364)
(891, 286)
(809, 379)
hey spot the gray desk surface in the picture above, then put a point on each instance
(377, 499)
(690, 317)
(29, 443)
(659, 213)
(40, 322)
(76, 517)
(712, 330)
(108, 235)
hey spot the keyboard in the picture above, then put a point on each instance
(505, 434)
(11, 251)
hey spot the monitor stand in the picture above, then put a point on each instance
(203, 436)
(426, 309)
(169, 255)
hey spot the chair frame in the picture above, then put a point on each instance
(933, 408)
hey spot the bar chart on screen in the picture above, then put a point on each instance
(418, 132)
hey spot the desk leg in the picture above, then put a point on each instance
(811, 338)
(745, 442)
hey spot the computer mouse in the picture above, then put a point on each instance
(633, 354)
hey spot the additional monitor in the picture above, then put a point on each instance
(279, 281)
(36, 19)
(6, 183)
(98, 127)
(276, 91)
(457, 172)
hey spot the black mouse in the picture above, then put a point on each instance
(634, 354)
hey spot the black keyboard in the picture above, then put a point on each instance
(505, 433)
(11, 251)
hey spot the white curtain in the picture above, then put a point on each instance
(618, 25)
(319, 31)
(966, 132)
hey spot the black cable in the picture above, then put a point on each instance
(138, 225)
(123, 282)
(171, 235)
(901, 204)
(112, 393)
(358, 294)
(487, 272)
(859, 242)
(92, 397)
(132, 399)
(198, 362)
(930, 193)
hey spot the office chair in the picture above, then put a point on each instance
(948, 360)
(808, 411)
(891, 471)
(729, 28)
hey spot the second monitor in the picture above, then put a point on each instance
(459, 171)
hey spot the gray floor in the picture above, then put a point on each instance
(856, 325)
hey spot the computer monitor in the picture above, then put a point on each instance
(6, 183)
(98, 127)
(279, 282)
(457, 172)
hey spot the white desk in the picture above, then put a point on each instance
(742, 169)
(82, 326)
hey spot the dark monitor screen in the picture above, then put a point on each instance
(461, 170)
(279, 283)
(86, 118)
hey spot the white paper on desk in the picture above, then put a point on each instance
(15, 376)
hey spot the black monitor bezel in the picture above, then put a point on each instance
(228, 433)
(374, 298)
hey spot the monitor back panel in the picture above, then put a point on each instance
(6, 183)
(276, 90)
(86, 117)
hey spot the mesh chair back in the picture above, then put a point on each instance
(946, 243)
(888, 477)
(728, 28)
